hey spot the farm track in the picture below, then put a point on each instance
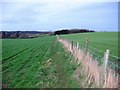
(60, 71)
(56, 55)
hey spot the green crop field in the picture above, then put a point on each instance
(36, 63)
(43, 63)
(98, 42)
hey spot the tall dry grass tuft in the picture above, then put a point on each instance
(95, 74)
(112, 79)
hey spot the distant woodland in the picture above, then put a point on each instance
(34, 34)
(21, 34)
(71, 31)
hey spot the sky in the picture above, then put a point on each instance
(52, 15)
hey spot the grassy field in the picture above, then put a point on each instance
(35, 63)
(98, 42)
(43, 63)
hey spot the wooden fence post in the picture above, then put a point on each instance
(77, 45)
(103, 75)
(72, 47)
(57, 36)
(106, 57)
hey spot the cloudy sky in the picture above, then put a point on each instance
(58, 14)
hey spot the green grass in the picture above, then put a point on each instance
(98, 43)
(24, 61)
(61, 68)
(99, 40)
(24, 64)
(20, 60)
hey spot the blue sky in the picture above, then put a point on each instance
(36, 15)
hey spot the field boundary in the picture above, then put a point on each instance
(103, 78)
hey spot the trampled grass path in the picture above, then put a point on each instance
(60, 67)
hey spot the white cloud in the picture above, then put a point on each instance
(53, 14)
(54, 9)
(10, 9)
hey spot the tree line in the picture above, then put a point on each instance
(20, 34)
(33, 34)
(70, 31)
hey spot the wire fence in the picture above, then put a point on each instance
(99, 55)
(96, 64)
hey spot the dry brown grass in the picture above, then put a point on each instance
(94, 73)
